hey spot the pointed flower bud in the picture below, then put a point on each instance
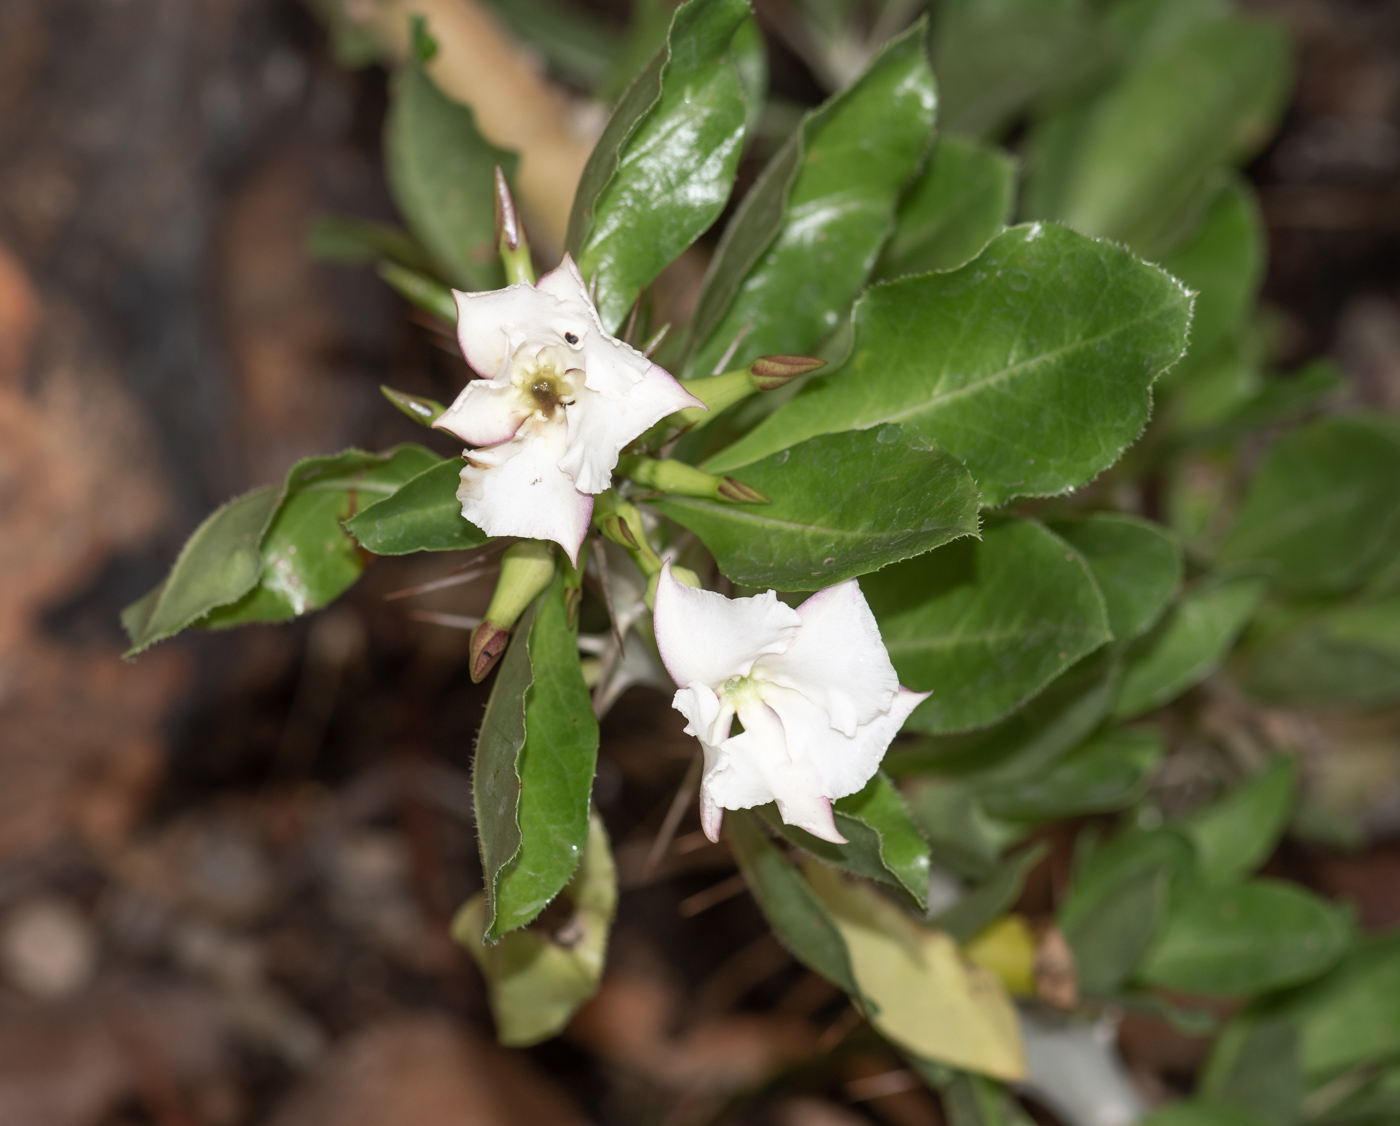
(813, 687)
(511, 242)
(526, 569)
(772, 372)
(685, 480)
(422, 410)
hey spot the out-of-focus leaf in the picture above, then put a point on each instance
(575, 42)
(1254, 1067)
(986, 625)
(797, 916)
(1323, 511)
(995, 60)
(537, 977)
(975, 1100)
(219, 564)
(1187, 644)
(443, 172)
(308, 559)
(1111, 772)
(1110, 867)
(1150, 145)
(1137, 565)
(1280, 399)
(963, 838)
(807, 235)
(992, 898)
(1032, 363)
(842, 505)
(1111, 936)
(534, 768)
(957, 205)
(1347, 655)
(664, 166)
(1235, 835)
(1224, 263)
(1198, 1113)
(1348, 1017)
(1243, 939)
(931, 1001)
(423, 515)
(882, 841)
(343, 238)
(1007, 947)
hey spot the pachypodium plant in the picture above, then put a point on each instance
(943, 507)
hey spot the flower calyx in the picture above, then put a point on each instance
(767, 373)
(670, 476)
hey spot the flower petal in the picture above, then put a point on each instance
(602, 423)
(565, 284)
(709, 718)
(843, 763)
(517, 489)
(757, 768)
(706, 638)
(485, 322)
(486, 413)
(837, 661)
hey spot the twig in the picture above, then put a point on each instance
(672, 820)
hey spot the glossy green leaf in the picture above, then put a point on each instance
(308, 559)
(1254, 1067)
(996, 60)
(1032, 363)
(1152, 143)
(882, 842)
(1109, 773)
(805, 238)
(975, 1100)
(533, 770)
(1236, 834)
(1224, 263)
(1025, 742)
(664, 167)
(1345, 655)
(218, 565)
(1350, 1016)
(1188, 643)
(795, 914)
(537, 977)
(423, 515)
(442, 172)
(960, 201)
(842, 505)
(1242, 939)
(992, 898)
(1137, 565)
(1323, 510)
(986, 625)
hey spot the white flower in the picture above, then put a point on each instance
(813, 687)
(558, 400)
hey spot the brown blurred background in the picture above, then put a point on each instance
(226, 869)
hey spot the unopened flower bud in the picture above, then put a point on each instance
(740, 493)
(511, 242)
(772, 372)
(526, 569)
(422, 410)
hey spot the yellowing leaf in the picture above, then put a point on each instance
(932, 1001)
(537, 978)
(1007, 949)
